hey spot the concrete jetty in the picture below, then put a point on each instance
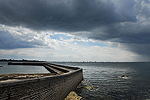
(53, 87)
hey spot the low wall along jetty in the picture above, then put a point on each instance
(49, 87)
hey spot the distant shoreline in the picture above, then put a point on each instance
(24, 60)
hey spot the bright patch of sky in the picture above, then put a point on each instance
(76, 39)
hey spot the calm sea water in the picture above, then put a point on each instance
(25, 69)
(106, 76)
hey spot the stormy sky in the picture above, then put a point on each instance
(76, 30)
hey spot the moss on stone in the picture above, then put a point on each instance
(72, 96)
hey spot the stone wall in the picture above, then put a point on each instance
(45, 88)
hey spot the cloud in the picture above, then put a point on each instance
(124, 23)
(18, 37)
(131, 35)
(64, 15)
(7, 41)
(70, 52)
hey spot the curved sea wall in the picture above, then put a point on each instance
(48, 88)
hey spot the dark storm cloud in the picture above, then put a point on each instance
(134, 37)
(120, 21)
(64, 15)
(124, 33)
(7, 41)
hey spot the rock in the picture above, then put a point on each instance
(124, 77)
(88, 87)
(73, 96)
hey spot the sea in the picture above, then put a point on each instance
(20, 69)
(112, 80)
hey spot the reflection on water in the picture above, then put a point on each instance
(11, 69)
